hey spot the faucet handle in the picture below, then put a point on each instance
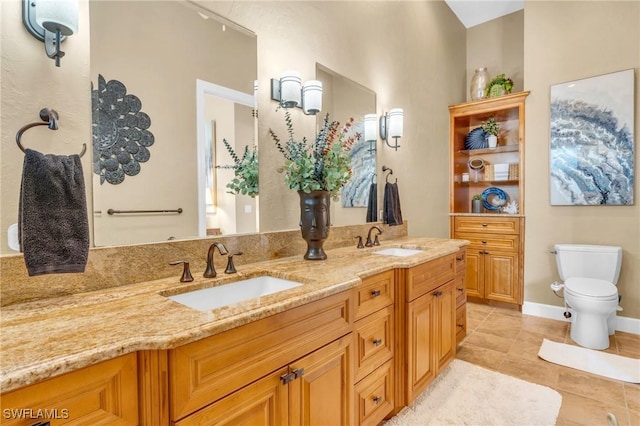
(360, 245)
(231, 268)
(186, 272)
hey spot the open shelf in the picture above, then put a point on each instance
(496, 150)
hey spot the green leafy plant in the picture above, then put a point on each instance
(245, 179)
(499, 80)
(321, 165)
(477, 197)
(490, 126)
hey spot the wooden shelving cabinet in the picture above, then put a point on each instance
(495, 256)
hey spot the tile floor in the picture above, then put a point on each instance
(507, 341)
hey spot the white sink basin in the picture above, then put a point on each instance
(397, 251)
(228, 294)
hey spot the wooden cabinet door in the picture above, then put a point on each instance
(501, 277)
(105, 393)
(322, 394)
(445, 333)
(474, 276)
(421, 364)
(262, 403)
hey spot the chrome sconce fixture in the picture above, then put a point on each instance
(51, 21)
(290, 93)
(391, 126)
(371, 131)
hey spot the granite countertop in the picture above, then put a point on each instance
(50, 337)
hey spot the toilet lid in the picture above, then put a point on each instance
(591, 287)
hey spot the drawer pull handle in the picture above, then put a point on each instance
(437, 293)
(377, 399)
(298, 372)
(287, 378)
(461, 289)
(460, 326)
(377, 342)
(484, 224)
(375, 293)
(460, 259)
(484, 241)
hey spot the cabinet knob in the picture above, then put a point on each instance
(461, 289)
(437, 293)
(375, 293)
(460, 326)
(460, 259)
(484, 224)
(377, 342)
(484, 241)
(377, 399)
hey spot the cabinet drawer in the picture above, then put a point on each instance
(478, 241)
(497, 225)
(461, 323)
(374, 341)
(428, 276)
(209, 369)
(374, 293)
(374, 395)
(461, 259)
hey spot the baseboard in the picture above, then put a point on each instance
(628, 325)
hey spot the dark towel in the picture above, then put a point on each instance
(372, 203)
(391, 209)
(53, 225)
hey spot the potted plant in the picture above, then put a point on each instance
(245, 169)
(317, 170)
(500, 85)
(491, 129)
(476, 204)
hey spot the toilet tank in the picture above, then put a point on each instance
(588, 261)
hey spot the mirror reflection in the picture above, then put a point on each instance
(154, 160)
(344, 98)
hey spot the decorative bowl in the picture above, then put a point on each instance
(476, 139)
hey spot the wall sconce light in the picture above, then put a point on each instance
(391, 126)
(290, 93)
(50, 21)
(371, 131)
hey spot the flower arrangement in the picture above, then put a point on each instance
(500, 85)
(245, 168)
(322, 165)
(490, 126)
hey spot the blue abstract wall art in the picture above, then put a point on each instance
(355, 193)
(591, 141)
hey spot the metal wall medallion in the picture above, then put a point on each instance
(120, 132)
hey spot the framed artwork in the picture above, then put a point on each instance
(591, 141)
(355, 193)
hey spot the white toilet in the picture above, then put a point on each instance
(590, 274)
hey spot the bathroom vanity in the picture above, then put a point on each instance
(359, 340)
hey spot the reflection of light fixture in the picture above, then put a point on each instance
(370, 130)
(49, 21)
(288, 90)
(391, 126)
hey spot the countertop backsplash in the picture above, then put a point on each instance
(117, 266)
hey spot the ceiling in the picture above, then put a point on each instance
(475, 12)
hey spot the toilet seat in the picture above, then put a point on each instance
(592, 288)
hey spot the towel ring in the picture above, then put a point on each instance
(50, 119)
(384, 169)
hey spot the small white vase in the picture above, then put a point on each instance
(493, 141)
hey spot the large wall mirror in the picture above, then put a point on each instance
(168, 100)
(196, 85)
(343, 98)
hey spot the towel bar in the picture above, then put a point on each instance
(112, 211)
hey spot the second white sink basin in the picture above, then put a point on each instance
(228, 294)
(397, 251)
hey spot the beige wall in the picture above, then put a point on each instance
(565, 41)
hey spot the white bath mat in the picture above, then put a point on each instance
(592, 361)
(465, 394)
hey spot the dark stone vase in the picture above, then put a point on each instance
(314, 222)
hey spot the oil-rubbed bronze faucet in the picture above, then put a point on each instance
(210, 272)
(231, 268)
(376, 242)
